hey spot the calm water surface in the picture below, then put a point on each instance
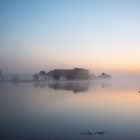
(70, 110)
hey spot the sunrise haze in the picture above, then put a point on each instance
(46, 34)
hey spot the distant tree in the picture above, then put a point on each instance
(42, 72)
(0, 72)
(104, 76)
(35, 77)
(1, 75)
(15, 78)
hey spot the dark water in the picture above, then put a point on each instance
(99, 110)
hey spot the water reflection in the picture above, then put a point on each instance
(106, 111)
(75, 87)
(69, 86)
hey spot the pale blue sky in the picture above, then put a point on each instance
(95, 34)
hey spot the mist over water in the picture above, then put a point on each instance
(70, 110)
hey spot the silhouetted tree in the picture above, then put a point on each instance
(42, 72)
(35, 77)
(1, 75)
(0, 72)
(104, 76)
(15, 78)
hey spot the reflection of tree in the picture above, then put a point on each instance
(39, 84)
(104, 85)
(69, 86)
(74, 86)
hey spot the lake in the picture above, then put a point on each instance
(66, 110)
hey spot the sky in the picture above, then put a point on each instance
(100, 35)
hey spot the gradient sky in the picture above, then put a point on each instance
(101, 35)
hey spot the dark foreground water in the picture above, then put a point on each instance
(99, 110)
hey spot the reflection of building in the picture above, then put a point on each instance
(74, 86)
(79, 86)
(70, 86)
